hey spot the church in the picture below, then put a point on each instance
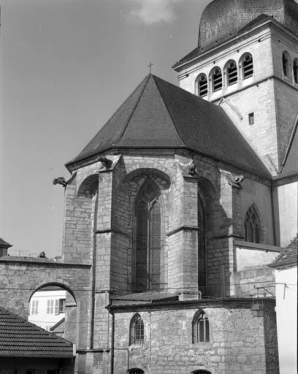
(177, 206)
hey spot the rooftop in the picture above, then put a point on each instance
(20, 338)
(160, 115)
(288, 257)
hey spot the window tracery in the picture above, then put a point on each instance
(136, 333)
(252, 226)
(200, 328)
(148, 238)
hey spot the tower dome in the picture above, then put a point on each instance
(223, 19)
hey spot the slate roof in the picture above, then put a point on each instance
(290, 167)
(20, 338)
(159, 114)
(288, 257)
(144, 297)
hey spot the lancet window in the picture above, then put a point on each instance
(136, 333)
(148, 242)
(200, 328)
(252, 226)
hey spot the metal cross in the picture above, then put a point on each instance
(149, 66)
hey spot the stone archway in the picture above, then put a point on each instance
(21, 277)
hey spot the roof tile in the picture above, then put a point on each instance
(20, 338)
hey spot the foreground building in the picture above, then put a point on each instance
(286, 307)
(28, 349)
(177, 205)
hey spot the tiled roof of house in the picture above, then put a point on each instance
(3, 243)
(20, 338)
(288, 257)
(159, 114)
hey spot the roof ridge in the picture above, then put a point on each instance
(137, 102)
(168, 110)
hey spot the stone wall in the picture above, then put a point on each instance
(237, 340)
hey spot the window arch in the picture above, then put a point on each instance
(135, 371)
(252, 226)
(247, 66)
(295, 70)
(216, 78)
(148, 241)
(136, 330)
(201, 371)
(286, 64)
(202, 85)
(231, 72)
(200, 328)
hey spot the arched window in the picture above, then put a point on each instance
(295, 70)
(135, 371)
(202, 85)
(216, 77)
(201, 246)
(148, 238)
(232, 73)
(200, 328)
(252, 226)
(201, 371)
(286, 64)
(247, 66)
(136, 330)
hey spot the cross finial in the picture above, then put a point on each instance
(149, 66)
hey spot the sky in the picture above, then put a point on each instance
(66, 66)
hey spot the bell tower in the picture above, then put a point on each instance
(246, 61)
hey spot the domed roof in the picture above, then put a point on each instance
(223, 19)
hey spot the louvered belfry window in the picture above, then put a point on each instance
(136, 335)
(202, 85)
(248, 68)
(148, 238)
(295, 70)
(217, 79)
(285, 64)
(252, 226)
(232, 73)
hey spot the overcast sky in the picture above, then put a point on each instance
(67, 65)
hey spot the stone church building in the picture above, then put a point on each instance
(177, 205)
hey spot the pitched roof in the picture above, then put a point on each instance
(290, 165)
(159, 114)
(20, 338)
(288, 257)
(3, 243)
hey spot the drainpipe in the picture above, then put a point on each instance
(93, 274)
(273, 214)
(112, 341)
